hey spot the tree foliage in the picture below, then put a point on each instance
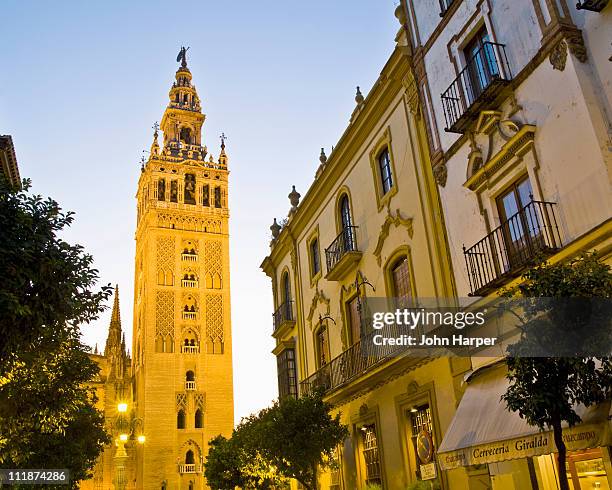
(47, 284)
(291, 439)
(48, 417)
(545, 390)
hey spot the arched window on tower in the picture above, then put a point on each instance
(189, 457)
(161, 190)
(180, 419)
(199, 419)
(185, 135)
(217, 197)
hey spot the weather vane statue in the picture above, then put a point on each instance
(182, 56)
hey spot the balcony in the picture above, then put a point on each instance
(342, 254)
(189, 468)
(189, 283)
(478, 86)
(190, 349)
(190, 315)
(354, 361)
(512, 247)
(592, 5)
(189, 257)
(283, 316)
(190, 385)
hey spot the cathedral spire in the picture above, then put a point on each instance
(113, 341)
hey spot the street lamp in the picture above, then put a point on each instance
(123, 437)
(141, 439)
(122, 407)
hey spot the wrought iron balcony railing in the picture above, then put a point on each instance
(592, 5)
(283, 314)
(341, 250)
(512, 246)
(354, 361)
(479, 83)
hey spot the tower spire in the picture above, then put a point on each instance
(113, 341)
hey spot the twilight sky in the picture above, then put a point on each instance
(83, 82)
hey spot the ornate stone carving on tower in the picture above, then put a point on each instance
(182, 363)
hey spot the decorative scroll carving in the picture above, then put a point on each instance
(396, 220)
(190, 223)
(440, 174)
(558, 55)
(318, 298)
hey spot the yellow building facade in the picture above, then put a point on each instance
(370, 226)
(179, 393)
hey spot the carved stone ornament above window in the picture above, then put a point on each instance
(494, 143)
(318, 298)
(396, 220)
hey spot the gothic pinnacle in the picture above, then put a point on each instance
(359, 97)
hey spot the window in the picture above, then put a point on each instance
(206, 195)
(386, 176)
(315, 259)
(354, 320)
(286, 289)
(190, 189)
(189, 457)
(371, 455)
(180, 419)
(335, 473)
(345, 212)
(348, 240)
(161, 190)
(481, 63)
(199, 419)
(287, 373)
(322, 338)
(400, 281)
(217, 197)
(421, 422)
(174, 191)
(521, 226)
(185, 132)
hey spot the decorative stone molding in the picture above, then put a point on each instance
(440, 173)
(558, 56)
(318, 298)
(396, 220)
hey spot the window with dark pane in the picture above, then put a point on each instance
(206, 195)
(371, 455)
(354, 320)
(315, 259)
(384, 165)
(161, 190)
(217, 197)
(323, 346)
(287, 374)
(400, 276)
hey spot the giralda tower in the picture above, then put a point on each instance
(182, 349)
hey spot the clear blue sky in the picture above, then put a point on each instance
(83, 82)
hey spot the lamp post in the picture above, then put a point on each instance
(126, 430)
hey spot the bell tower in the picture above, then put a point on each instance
(182, 349)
